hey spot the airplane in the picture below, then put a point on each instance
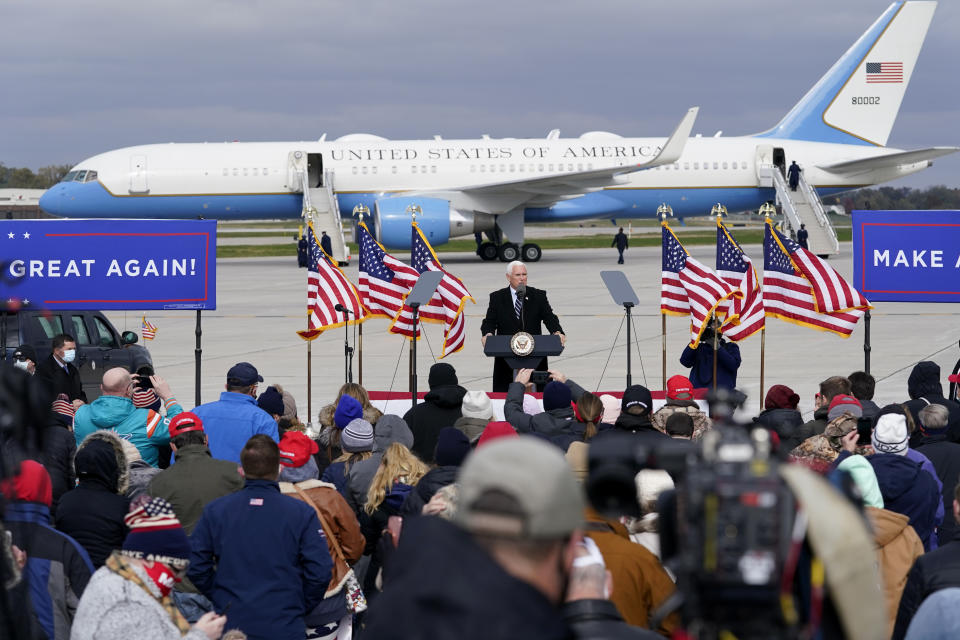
(837, 133)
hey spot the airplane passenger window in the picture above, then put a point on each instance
(541, 167)
(373, 170)
(716, 166)
(503, 167)
(236, 172)
(579, 167)
(423, 169)
(493, 168)
(433, 168)
(743, 165)
(355, 170)
(513, 168)
(226, 172)
(364, 171)
(696, 165)
(550, 167)
(483, 168)
(394, 169)
(724, 165)
(686, 166)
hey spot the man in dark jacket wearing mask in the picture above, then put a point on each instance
(59, 372)
(924, 388)
(440, 408)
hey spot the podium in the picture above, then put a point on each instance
(543, 346)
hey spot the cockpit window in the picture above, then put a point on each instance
(82, 175)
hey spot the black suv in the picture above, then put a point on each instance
(99, 345)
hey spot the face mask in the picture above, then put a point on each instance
(69, 355)
(22, 364)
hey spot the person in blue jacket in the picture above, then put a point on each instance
(230, 421)
(700, 361)
(261, 557)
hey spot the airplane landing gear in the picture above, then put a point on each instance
(530, 252)
(509, 252)
(488, 251)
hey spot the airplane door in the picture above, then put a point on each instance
(315, 170)
(780, 160)
(138, 174)
(763, 162)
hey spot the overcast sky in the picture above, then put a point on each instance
(82, 78)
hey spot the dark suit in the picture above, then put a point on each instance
(502, 319)
(59, 381)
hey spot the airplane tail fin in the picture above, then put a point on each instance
(858, 99)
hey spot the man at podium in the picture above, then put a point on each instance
(509, 313)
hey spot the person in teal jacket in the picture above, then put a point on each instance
(114, 410)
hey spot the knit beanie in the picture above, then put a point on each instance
(844, 404)
(63, 410)
(389, 429)
(890, 434)
(611, 409)
(496, 430)
(271, 401)
(556, 395)
(146, 399)
(349, 408)
(780, 396)
(863, 475)
(156, 535)
(357, 436)
(452, 447)
(476, 404)
(442, 374)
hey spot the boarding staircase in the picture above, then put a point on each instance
(803, 206)
(320, 206)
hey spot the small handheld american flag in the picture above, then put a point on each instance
(147, 330)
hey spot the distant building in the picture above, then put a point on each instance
(16, 204)
(837, 209)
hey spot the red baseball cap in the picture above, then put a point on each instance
(679, 388)
(296, 448)
(184, 423)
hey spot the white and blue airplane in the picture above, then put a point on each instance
(837, 133)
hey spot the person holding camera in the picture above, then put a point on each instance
(557, 417)
(114, 410)
(700, 360)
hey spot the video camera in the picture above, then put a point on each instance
(725, 532)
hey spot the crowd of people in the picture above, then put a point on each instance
(132, 517)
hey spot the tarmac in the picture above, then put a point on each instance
(261, 304)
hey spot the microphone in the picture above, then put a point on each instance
(521, 292)
(342, 309)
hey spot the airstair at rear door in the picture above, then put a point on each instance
(320, 204)
(803, 206)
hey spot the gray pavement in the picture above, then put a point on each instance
(261, 303)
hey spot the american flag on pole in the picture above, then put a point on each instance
(147, 330)
(821, 300)
(688, 287)
(384, 281)
(326, 288)
(737, 270)
(884, 73)
(447, 303)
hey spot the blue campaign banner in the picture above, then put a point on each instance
(108, 264)
(907, 256)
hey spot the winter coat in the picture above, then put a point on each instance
(897, 548)
(339, 521)
(145, 428)
(433, 481)
(440, 408)
(945, 457)
(59, 381)
(93, 513)
(476, 601)
(816, 426)
(196, 480)
(924, 388)
(141, 474)
(471, 427)
(640, 585)
(265, 553)
(640, 427)
(599, 619)
(786, 423)
(700, 420)
(700, 361)
(869, 408)
(336, 474)
(114, 608)
(548, 423)
(59, 448)
(906, 489)
(926, 465)
(232, 420)
(389, 429)
(58, 568)
(939, 569)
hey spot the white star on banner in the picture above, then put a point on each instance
(26, 235)
(10, 235)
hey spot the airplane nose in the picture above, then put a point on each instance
(53, 198)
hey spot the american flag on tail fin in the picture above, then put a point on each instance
(737, 270)
(327, 287)
(688, 287)
(447, 303)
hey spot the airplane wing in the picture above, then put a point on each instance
(545, 191)
(852, 167)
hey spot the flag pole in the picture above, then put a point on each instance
(763, 351)
(663, 334)
(714, 352)
(309, 382)
(360, 210)
(360, 355)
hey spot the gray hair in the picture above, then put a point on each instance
(934, 416)
(511, 265)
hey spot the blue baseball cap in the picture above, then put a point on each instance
(243, 374)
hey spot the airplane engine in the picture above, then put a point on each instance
(437, 220)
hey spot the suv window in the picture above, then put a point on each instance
(107, 339)
(50, 326)
(12, 334)
(80, 330)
